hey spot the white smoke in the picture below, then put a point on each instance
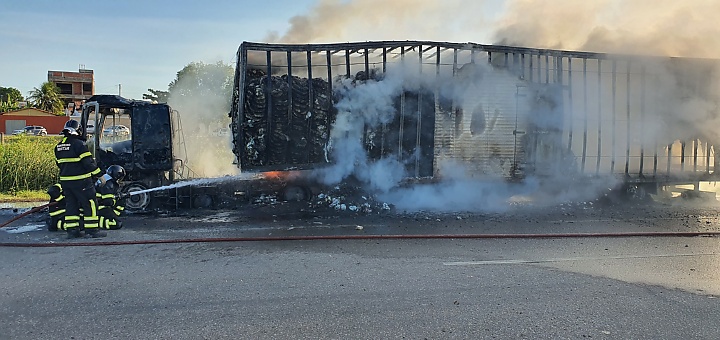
(368, 103)
(202, 99)
(464, 182)
(645, 27)
(685, 102)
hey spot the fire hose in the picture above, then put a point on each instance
(31, 211)
(366, 237)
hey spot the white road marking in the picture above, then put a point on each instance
(567, 259)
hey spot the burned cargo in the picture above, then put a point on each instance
(297, 127)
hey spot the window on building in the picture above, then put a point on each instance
(65, 88)
(87, 88)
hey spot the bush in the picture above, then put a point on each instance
(27, 163)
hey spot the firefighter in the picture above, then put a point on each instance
(77, 173)
(56, 208)
(110, 206)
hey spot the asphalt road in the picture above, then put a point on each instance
(558, 288)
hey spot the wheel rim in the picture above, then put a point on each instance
(139, 201)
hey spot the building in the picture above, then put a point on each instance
(18, 119)
(75, 87)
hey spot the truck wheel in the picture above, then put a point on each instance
(202, 201)
(295, 193)
(137, 202)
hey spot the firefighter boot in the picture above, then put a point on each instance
(73, 233)
(94, 233)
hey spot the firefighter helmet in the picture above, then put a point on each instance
(72, 127)
(116, 172)
(55, 191)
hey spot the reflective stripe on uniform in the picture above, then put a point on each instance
(74, 159)
(90, 222)
(75, 178)
(60, 225)
(68, 160)
(57, 212)
(72, 221)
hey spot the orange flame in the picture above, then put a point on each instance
(278, 175)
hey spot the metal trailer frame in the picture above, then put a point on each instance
(602, 136)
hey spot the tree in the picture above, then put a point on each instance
(47, 98)
(198, 79)
(157, 96)
(6, 106)
(10, 95)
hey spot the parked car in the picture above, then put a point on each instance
(116, 130)
(34, 130)
(91, 127)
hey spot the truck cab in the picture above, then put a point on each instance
(145, 148)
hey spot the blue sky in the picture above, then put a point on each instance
(143, 44)
(139, 44)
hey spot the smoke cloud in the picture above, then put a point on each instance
(656, 27)
(201, 96)
(643, 27)
(361, 20)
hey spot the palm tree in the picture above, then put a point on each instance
(47, 98)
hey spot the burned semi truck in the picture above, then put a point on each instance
(501, 111)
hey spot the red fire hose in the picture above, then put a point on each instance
(367, 237)
(31, 211)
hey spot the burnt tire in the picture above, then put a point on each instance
(202, 201)
(139, 202)
(295, 193)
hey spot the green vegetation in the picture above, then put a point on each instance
(27, 163)
(47, 98)
(25, 196)
(10, 94)
(9, 98)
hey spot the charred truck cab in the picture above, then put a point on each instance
(137, 135)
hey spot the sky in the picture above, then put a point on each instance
(134, 45)
(131, 45)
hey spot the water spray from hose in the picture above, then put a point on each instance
(196, 182)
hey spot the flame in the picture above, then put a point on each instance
(279, 175)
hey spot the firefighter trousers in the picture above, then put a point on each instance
(80, 207)
(108, 218)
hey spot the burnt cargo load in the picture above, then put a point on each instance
(498, 110)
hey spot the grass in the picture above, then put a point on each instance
(25, 196)
(27, 166)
